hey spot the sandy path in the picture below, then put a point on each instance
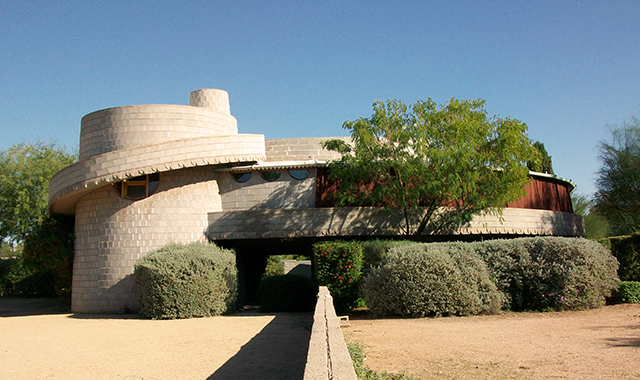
(594, 344)
(66, 346)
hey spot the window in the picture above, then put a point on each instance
(241, 177)
(299, 174)
(138, 187)
(271, 175)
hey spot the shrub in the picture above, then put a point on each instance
(289, 292)
(274, 266)
(627, 250)
(17, 280)
(185, 281)
(422, 280)
(374, 251)
(49, 249)
(338, 266)
(551, 272)
(628, 292)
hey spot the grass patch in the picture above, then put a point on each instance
(358, 354)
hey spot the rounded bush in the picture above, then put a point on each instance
(422, 280)
(185, 281)
(542, 273)
(288, 293)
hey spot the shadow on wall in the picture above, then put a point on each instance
(285, 192)
(279, 351)
(562, 224)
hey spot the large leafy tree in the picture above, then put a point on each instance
(618, 182)
(436, 164)
(25, 171)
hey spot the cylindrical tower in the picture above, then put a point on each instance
(144, 178)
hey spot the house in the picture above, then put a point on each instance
(148, 175)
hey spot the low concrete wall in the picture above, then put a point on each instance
(328, 356)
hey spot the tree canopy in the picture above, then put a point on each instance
(25, 171)
(437, 164)
(595, 225)
(542, 162)
(618, 182)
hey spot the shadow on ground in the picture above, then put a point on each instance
(279, 351)
(23, 307)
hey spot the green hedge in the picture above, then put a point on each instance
(185, 281)
(338, 266)
(422, 280)
(627, 250)
(287, 293)
(628, 292)
(551, 272)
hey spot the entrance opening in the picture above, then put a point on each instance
(251, 260)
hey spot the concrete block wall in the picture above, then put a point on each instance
(300, 149)
(257, 193)
(112, 233)
(358, 221)
(126, 127)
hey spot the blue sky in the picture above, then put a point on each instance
(300, 69)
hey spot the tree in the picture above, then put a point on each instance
(437, 165)
(595, 225)
(542, 162)
(618, 182)
(49, 249)
(25, 171)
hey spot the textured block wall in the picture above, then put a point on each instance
(300, 149)
(286, 192)
(125, 127)
(359, 221)
(112, 233)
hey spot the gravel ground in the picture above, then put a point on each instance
(592, 344)
(38, 343)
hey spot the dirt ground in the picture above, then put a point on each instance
(36, 342)
(593, 344)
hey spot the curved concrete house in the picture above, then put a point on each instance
(148, 175)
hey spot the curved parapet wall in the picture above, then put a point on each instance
(366, 221)
(74, 181)
(180, 146)
(118, 128)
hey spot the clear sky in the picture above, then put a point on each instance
(301, 68)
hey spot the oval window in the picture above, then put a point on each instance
(271, 175)
(299, 174)
(241, 176)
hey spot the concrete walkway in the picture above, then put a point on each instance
(37, 343)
